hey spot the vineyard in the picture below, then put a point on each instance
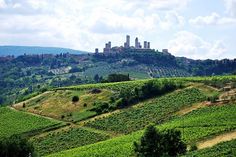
(225, 149)
(106, 118)
(160, 109)
(205, 122)
(67, 138)
(15, 122)
(140, 71)
(123, 146)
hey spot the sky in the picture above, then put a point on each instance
(197, 29)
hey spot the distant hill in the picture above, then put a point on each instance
(20, 50)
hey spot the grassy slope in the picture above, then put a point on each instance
(123, 146)
(57, 104)
(15, 122)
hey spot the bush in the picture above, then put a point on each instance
(101, 107)
(193, 147)
(117, 78)
(16, 146)
(95, 91)
(154, 143)
(213, 98)
(75, 99)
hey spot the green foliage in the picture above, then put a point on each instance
(56, 141)
(75, 99)
(116, 78)
(193, 147)
(190, 131)
(154, 143)
(213, 98)
(224, 149)
(101, 107)
(16, 146)
(133, 119)
(16, 122)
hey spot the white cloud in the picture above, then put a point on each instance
(231, 7)
(190, 45)
(213, 19)
(2, 4)
(171, 20)
(167, 4)
(82, 24)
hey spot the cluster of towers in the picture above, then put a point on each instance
(146, 45)
(109, 49)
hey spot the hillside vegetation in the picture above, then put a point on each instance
(15, 122)
(25, 76)
(105, 119)
(123, 146)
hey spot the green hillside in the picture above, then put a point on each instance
(108, 118)
(123, 146)
(15, 122)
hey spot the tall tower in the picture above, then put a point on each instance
(145, 45)
(109, 45)
(136, 43)
(127, 41)
(96, 50)
(148, 45)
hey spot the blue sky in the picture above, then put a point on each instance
(197, 29)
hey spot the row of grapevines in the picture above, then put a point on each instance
(16, 122)
(133, 119)
(123, 146)
(66, 139)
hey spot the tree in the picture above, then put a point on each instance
(157, 144)
(16, 146)
(117, 78)
(96, 78)
(75, 99)
(173, 145)
(150, 145)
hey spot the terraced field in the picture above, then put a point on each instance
(66, 138)
(91, 134)
(15, 122)
(123, 146)
(160, 109)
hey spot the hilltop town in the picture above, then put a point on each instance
(108, 49)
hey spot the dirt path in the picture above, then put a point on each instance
(217, 139)
(19, 105)
(192, 108)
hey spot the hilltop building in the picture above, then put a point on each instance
(127, 43)
(96, 51)
(165, 51)
(107, 48)
(137, 45)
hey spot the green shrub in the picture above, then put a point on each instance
(154, 143)
(193, 147)
(75, 99)
(16, 146)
